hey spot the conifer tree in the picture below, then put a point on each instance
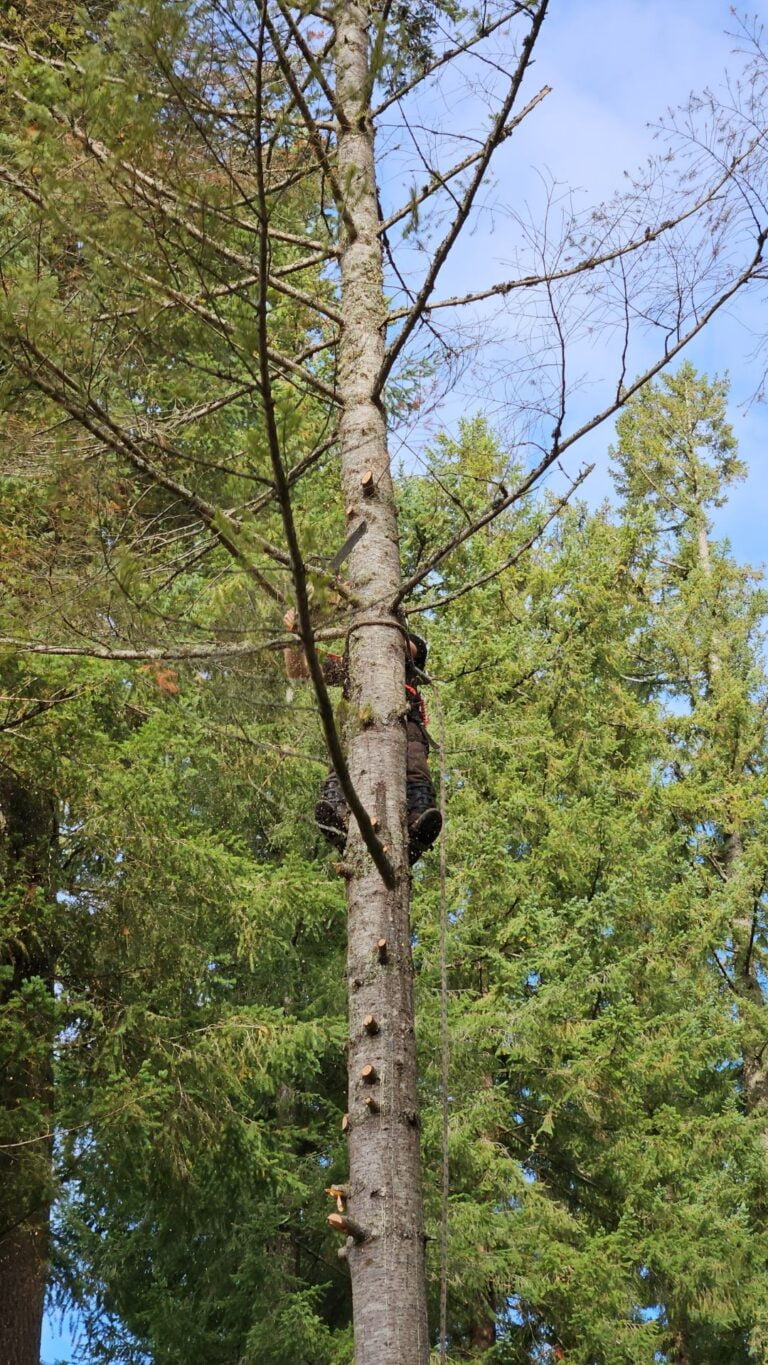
(209, 177)
(606, 1171)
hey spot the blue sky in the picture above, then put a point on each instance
(614, 67)
(58, 1342)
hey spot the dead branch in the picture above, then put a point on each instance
(90, 414)
(313, 132)
(440, 179)
(561, 445)
(513, 559)
(593, 262)
(484, 31)
(493, 140)
(212, 649)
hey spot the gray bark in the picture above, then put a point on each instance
(387, 1269)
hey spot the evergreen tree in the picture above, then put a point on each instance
(196, 286)
(606, 1173)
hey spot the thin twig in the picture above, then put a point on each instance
(495, 137)
(670, 351)
(513, 559)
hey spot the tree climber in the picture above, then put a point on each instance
(331, 811)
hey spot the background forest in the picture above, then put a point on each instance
(589, 965)
(605, 712)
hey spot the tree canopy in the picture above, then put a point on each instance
(211, 321)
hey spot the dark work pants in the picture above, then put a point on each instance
(419, 791)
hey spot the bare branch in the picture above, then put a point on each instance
(40, 708)
(513, 559)
(589, 263)
(276, 280)
(162, 195)
(313, 132)
(495, 137)
(90, 414)
(440, 179)
(484, 31)
(294, 474)
(212, 649)
(560, 446)
(159, 196)
(313, 65)
(159, 653)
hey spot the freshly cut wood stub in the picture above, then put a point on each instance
(340, 1193)
(340, 1222)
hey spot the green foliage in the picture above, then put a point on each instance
(607, 1160)
(604, 712)
(178, 961)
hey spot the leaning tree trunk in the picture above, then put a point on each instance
(387, 1268)
(27, 834)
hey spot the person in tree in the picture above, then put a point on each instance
(331, 811)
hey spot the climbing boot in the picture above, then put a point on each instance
(423, 829)
(330, 821)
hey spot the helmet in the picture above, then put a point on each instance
(420, 646)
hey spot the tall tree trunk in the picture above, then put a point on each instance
(388, 1268)
(27, 834)
(680, 1352)
(746, 983)
(23, 1268)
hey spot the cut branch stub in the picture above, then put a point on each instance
(372, 1105)
(369, 1075)
(381, 949)
(368, 484)
(340, 1193)
(370, 1024)
(340, 1222)
(345, 1123)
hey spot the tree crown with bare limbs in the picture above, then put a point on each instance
(223, 290)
